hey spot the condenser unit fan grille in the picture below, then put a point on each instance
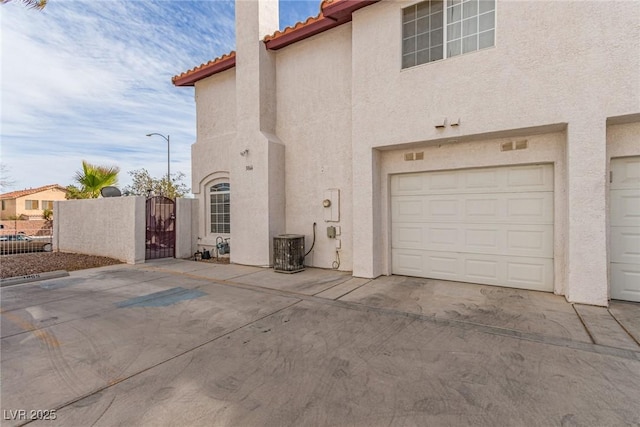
(288, 253)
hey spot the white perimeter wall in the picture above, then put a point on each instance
(186, 227)
(116, 227)
(111, 227)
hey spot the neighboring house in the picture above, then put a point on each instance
(30, 203)
(490, 142)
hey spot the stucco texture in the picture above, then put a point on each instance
(111, 227)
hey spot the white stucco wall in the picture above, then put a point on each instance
(112, 227)
(314, 124)
(623, 139)
(186, 227)
(216, 132)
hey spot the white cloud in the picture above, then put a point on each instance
(89, 79)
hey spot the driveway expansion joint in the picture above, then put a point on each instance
(466, 325)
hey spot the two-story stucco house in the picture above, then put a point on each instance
(31, 202)
(491, 142)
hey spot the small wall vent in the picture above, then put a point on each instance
(507, 146)
(413, 156)
(288, 253)
(514, 145)
(521, 145)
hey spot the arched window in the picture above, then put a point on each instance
(219, 198)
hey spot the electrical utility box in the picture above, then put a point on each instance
(288, 253)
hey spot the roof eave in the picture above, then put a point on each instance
(342, 10)
(302, 33)
(333, 15)
(205, 71)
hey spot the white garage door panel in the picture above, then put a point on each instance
(527, 208)
(625, 207)
(490, 226)
(625, 282)
(497, 239)
(624, 219)
(625, 245)
(625, 173)
(517, 272)
(486, 180)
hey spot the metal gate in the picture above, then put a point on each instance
(161, 228)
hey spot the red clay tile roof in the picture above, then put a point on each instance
(299, 26)
(212, 67)
(332, 14)
(27, 192)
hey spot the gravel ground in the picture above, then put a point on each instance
(41, 262)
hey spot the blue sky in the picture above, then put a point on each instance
(89, 79)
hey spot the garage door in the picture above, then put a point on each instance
(625, 229)
(491, 226)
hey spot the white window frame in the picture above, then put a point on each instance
(218, 188)
(448, 5)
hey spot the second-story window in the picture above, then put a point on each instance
(437, 29)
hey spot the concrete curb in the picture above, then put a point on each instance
(10, 281)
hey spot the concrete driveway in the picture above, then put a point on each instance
(183, 343)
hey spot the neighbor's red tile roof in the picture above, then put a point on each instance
(332, 14)
(27, 192)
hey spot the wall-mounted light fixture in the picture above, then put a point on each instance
(245, 152)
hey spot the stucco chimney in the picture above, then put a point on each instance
(255, 65)
(257, 175)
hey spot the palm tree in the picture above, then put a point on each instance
(93, 178)
(32, 4)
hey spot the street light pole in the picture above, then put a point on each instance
(166, 138)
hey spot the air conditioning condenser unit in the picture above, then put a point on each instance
(288, 253)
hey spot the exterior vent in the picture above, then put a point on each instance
(408, 156)
(521, 145)
(420, 155)
(288, 253)
(514, 145)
